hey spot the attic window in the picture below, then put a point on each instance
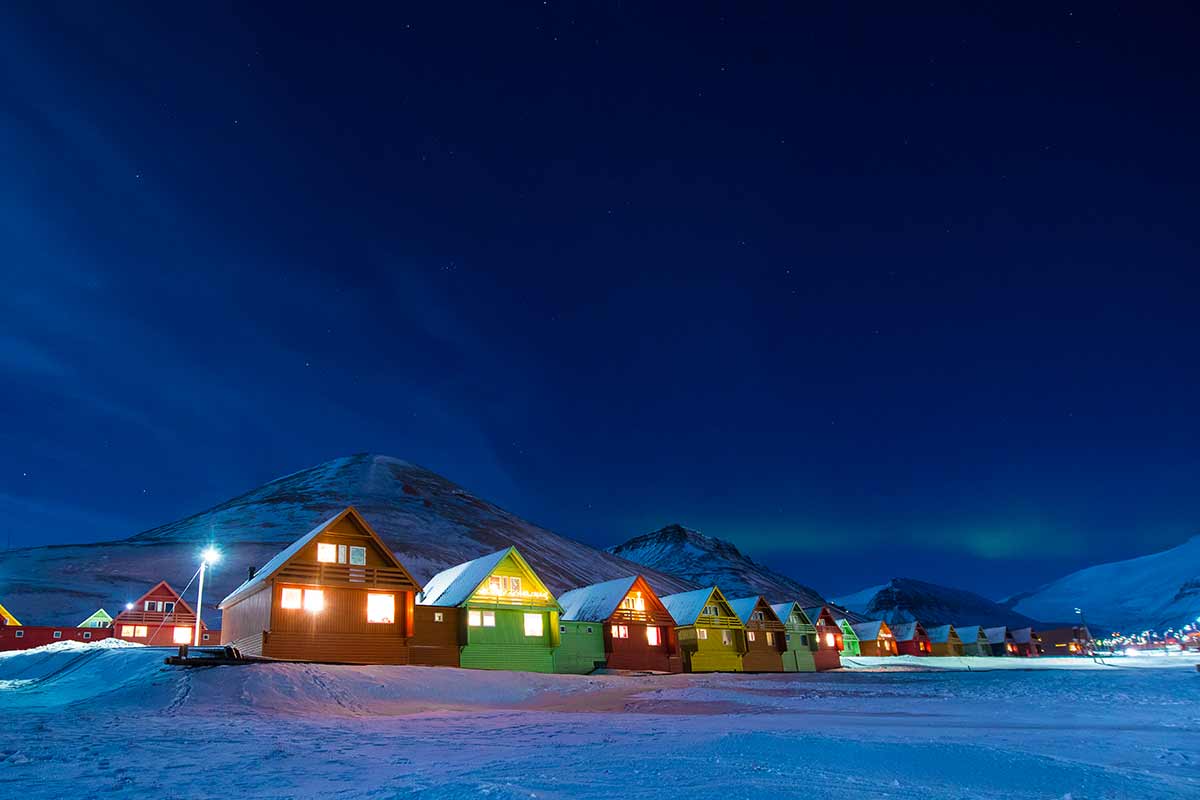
(168, 607)
(326, 553)
(757, 616)
(358, 556)
(710, 611)
(634, 602)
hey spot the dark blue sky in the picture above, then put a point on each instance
(917, 291)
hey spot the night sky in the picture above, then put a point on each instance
(916, 292)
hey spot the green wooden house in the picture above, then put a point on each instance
(801, 637)
(849, 639)
(581, 647)
(100, 619)
(711, 637)
(507, 618)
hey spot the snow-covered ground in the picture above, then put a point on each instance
(113, 721)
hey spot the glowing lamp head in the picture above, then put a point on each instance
(129, 606)
(211, 555)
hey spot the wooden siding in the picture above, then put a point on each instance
(636, 652)
(244, 623)
(581, 647)
(436, 644)
(506, 646)
(762, 655)
(24, 637)
(160, 625)
(335, 647)
(711, 654)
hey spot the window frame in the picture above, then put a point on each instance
(391, 615)
(297, 603)
(541, 625)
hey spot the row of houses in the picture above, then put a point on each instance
(340, 595)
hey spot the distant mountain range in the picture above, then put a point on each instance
(707, 561)
(1151, 592)
(430, 522)
(906, 599)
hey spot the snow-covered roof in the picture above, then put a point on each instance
(905, 631)
(685, 608)
(744, 607)
(1022, 635)
(940, 633)
(597, 602)
(454, 586)
(968, 633)
(814, 613)
(996, 635)
(784, 610)
(867, 630)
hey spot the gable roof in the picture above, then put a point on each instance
(814, 613)
(179, 601)
(597, 602)
(868, 630)
(996, 635)
(99, 614)
(286, 554)
(941, 634)
(744, 607)
(1023, 635)
(8, 618)
(685, 608)
(456, 585)
(784, 610)
(847, 628)
(969, 633)
(907, 631)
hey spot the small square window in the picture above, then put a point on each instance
(87, 634)
(58, 634)
(168, 607)
(204, 637)
(381, 609)
(140, 632)
(358, 556)
(20, 634)
(127, 631)
(326, 553)
(701, 633)
(438, 616)
(562, 628)
(589, 630)
(290, 598)
(182, 635)
(474, 618)
(314, 600)
(489, 619)
(533, 625)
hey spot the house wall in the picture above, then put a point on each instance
(877, 647)
(711, 654)
(800, 644)
(435, 643)
(829, 637)
(339, 632)
(581, 647)
(761, 655)
(243, 623)
(636, 653)
(916, 646)
(506, 646)
(24, 637)
(947, 649)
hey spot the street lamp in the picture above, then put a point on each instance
(209, 556)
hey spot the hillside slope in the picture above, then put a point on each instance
(429, 522)
(1153, 592)
(705, 561)
(906, 599)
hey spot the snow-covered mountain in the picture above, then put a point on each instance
(705, 561)
(1153, 592)
(430, 522)
(905, 600)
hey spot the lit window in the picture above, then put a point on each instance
(474, 619)
(497, 585)
(87, 634)
(314, 600)
(634, 602)
(489, 619)
(701, 633)
(290, 598)
(770, 638)
(726, 637)
(652, 636)
(182, 635)
(341, 554)
(381, 608)
(620, 631)
(127, 631)
(829, 640)
(140, 632)
(326, 553)
(438, 616)
(533, 624)
(750, 636)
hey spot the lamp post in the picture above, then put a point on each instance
(209, 556)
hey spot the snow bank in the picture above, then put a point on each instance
(983, 664)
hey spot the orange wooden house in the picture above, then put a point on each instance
(766, 636)
(161, 617)
(337, 594)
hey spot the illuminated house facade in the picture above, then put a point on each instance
(801, 638)
(911, 639)
(974, 640)
(875, 639)
(711, 637)
(1027, 642)
(850, 646)
(504, 615)
(99, 619)
(1071, 640)
(636, 630)
(944, 641)
(160, 617)
(337, 594)
(829, 637)
(1000, 641)
(766, 636)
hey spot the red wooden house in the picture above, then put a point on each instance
(639, 633)
(161, 617)
(911, 639)
(15, 636)
(1027, 642)
(829, 638)
(336, 594)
